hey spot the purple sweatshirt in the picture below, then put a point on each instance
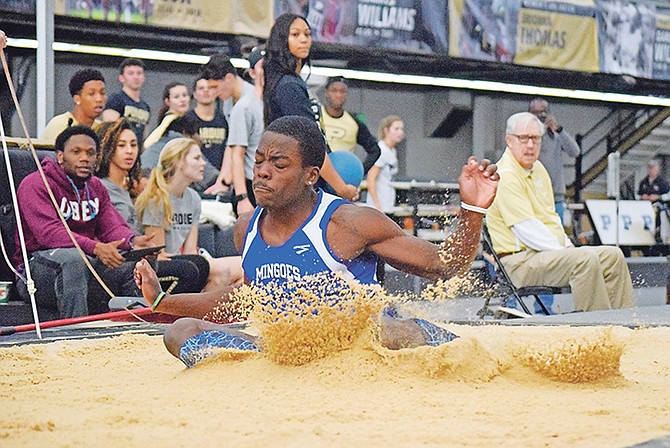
(88, 211)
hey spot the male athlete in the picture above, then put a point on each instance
(339, 237)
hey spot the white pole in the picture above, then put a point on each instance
(614, 185)
(30, 284)
(45, 63)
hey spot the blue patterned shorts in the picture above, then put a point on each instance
(435, 335)
(203, 345)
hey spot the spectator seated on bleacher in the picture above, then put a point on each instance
(218, 241)
(169, 210)
(119, 171)
(656, 189)
(59, 272)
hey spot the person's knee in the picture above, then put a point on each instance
(224, 272)
(66, 255)
(613, 253)
(217, 280)
(585, 260)
(71, 262)
(179, 332)
(396, 334)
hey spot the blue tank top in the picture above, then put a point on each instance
(305, 253)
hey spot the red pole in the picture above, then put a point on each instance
(4, 331)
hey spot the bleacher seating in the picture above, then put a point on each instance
(218, 242)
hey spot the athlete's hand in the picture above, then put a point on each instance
(109, 254)
(3, 39)
(478, 182)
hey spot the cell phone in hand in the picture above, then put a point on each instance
(138, 254)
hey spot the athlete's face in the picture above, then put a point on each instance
(92, 98)
(126, 151)
(179, 100)
(279, 177)
(299, 39)
(78, 156)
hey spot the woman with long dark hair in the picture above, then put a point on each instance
(176, 101)
(285, 92)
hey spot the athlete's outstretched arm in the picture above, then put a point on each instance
(193, 304)
(413, 255)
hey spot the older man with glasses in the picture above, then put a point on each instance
(528, 235)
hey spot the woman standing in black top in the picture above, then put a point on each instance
(285, 92)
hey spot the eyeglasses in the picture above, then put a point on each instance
(524, 138)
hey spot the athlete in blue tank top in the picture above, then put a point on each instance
(311, 232)
(305, 253)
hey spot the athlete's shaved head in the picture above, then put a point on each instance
(311, 142)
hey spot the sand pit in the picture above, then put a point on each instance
(477, 391)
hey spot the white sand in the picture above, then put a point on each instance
(128, 391)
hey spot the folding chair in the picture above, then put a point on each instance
(506, 281)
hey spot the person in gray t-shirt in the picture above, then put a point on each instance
(555, 143)
(121, 200)
(170, 210)
(245, 130)
(185, 217)
(119, 172)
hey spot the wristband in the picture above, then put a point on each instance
(158, 300)
(474, 208)
(239, 197)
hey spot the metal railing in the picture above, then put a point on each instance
(621, 136)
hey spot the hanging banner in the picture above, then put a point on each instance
(608, 36)
(626, 36)
(482, 29)
(253, 18)
(661, 66)
(557, 34)
(406, 25)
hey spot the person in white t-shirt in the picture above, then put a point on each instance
(381, 194)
